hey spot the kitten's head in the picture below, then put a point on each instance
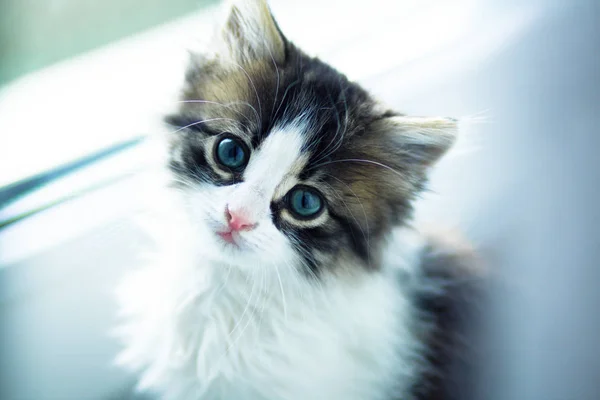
(284, 162)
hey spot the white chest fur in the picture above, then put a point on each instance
(214, 334)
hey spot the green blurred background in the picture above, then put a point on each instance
(37, 33)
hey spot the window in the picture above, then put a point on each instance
(63, 62)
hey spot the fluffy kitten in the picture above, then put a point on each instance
(286, 270)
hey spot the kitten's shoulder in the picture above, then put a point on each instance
(449, 294)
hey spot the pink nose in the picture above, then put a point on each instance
(238, 220)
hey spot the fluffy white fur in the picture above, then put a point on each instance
(205, 320)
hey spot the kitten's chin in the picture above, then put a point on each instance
(228, 248)
(214, 244)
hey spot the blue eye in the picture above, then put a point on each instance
(232, 153)
(305, 202)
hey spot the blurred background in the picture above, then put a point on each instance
(83, 83)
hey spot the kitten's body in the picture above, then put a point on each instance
(337, 304)
(225, 336)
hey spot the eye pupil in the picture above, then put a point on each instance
(305, 202)
(231, 153)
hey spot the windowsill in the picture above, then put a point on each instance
(92, 101)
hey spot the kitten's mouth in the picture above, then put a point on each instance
(227, 237)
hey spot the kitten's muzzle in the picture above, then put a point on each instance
(238, 220)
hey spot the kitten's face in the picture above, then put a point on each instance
(284, 162)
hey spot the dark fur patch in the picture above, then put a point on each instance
(450, 296)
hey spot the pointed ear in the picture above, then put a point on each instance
(423, 140)
(249, 33)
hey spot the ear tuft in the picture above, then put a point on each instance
(423, 139)
(250, 33)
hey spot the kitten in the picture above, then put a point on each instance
(290, 271)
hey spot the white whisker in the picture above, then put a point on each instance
(282, 293)
(228, 105)
(255, 92)
(358, 160)
(203, 121)
(285, 93)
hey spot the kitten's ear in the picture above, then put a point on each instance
(249, 33)
(422, 139)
